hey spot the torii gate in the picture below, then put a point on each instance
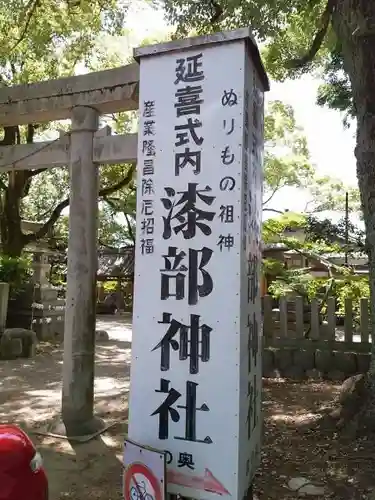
(82, 99)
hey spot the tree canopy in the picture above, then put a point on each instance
(42, 45)
(287, 163)
(42, 40)
(296, 36)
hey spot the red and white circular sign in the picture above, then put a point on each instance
(140, 483)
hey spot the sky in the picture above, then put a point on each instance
(330, 145)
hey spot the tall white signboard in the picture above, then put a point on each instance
(196, 352)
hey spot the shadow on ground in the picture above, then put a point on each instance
(30, 395)
(86, 471)
(30, 392)
(291, 448)
(30, 389)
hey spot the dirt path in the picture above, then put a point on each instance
(30, 392)
(30, 395)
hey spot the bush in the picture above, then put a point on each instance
(16, 271)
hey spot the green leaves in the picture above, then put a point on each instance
(286, 159)
(47, 39)
(286, 29)
(113, 229)
(336, 91)
(43, 39)
(273, 230)
(329, 194)
(266, 17)
(287, 164)
(15, 271)
(47, 189)
(311, 242)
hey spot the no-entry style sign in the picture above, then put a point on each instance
(144, 472)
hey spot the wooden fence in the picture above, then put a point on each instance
(293, 324)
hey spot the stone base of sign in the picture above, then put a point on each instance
(303, 364)
(90, 430)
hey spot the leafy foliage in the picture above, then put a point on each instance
(54, 35)
(354, 288)
(46, 190)
(336, 91)
(325, 229)
(328, 193)
(315, 240)
(40, 40)
(287, 164)
(15, 271)
(286, 30)
(286, 160)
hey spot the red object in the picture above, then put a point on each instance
(208, 482)
(22, 476)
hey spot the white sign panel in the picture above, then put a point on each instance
(196, 374)
(251, 347)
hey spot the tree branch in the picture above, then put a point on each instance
(309, 254)
(273, 210)
(113, 206)
(272, 194)
(49, 224)
(312, 255)
(65, 203)
(33, 4)
(124, 182)
(323, 302)
(10, 136)
(30, 133)
(217, 11)
(307, 205)
(3, 185)
(130, 229)
(318, 39)
(322, 260)
(33, 173)
(46, 212)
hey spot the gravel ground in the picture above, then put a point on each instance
(30, 393)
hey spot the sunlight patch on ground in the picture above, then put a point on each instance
(60, 445)
(110, 441)
(293, 419)
(118, 327)
(30, 390)
(14, 380)
(46, 397)
(32, 408)
(109, 386)
(112, 354)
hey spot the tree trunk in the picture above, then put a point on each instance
(12, 238)
(11, 234)
(354, 24)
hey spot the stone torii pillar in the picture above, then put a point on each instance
(79, 338)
